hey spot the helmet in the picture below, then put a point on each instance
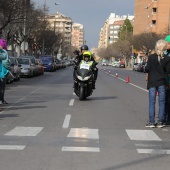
(87, 54)
(84, 47)
(167, 38)
(3, 44)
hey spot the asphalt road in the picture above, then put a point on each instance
(46, 127)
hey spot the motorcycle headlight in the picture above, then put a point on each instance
(85, 78)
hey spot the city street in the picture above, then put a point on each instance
(46, 126)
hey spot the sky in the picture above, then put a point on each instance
(90, 13)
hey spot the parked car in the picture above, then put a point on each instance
(48, 62)
(40, 66)
(116, 64)
(135, 66)
(33, 64)
(10, 76)
(122, 65)
(17, 68)
(26, 67)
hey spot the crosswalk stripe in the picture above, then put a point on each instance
(24, 131)
(153, 151)
(81, 149)
(84, 133)
(145, 135)
(12, 147)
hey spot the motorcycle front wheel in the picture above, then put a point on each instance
(82, 94)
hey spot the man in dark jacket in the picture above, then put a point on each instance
(157, 65)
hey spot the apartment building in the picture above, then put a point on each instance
(152, 16)
(109, 31)
(77, 35)
(62, 24)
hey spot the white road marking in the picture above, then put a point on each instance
(71, 102)
(81, 149)
(145, 135)
(84, 133)
(153, 151)
(146, 145)
(128, 83)
(66, 121)
(12, 147)
(24, 131)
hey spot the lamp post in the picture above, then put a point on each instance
(44, 29)
(55, 19)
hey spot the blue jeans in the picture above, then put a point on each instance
(161, 101)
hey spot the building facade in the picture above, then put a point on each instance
(61, 24)
(152, 16)
(110, 29)
(77, 35)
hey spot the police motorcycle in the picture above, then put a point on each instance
(83, 79)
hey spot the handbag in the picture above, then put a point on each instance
(2, 75)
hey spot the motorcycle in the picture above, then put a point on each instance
(83, 79)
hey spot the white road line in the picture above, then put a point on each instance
(71, 102)
(81, 149)
(24, 131)
(144, 135)
(153, 151)
(84, 133)
(128, 83)
(66, 121)
(12, 147)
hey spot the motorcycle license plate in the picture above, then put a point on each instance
(84, 66)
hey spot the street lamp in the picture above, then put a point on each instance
(55, 19)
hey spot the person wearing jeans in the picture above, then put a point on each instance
(161, 101)
(157, 65)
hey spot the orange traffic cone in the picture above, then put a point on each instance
(127, 79)
(116, 75)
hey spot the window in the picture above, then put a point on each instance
(154, 10)
(153, 22)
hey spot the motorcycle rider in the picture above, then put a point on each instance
(79, 57)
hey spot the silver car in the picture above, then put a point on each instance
(26, 67)
(17, 68)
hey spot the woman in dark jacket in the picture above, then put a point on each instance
(157, 65)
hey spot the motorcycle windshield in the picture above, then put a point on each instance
(85, 69)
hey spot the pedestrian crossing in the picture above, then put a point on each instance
(150, 143)
(83, 133)
(87, 140)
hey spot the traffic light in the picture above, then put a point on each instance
(134, 55)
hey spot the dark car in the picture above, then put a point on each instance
(48, 62)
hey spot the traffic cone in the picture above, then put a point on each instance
(116, 75)
(127, 79)
(157, 93)
(109, 72)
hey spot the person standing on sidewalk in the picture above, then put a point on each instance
(167, 100)
(6, 67)
(157, 65)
